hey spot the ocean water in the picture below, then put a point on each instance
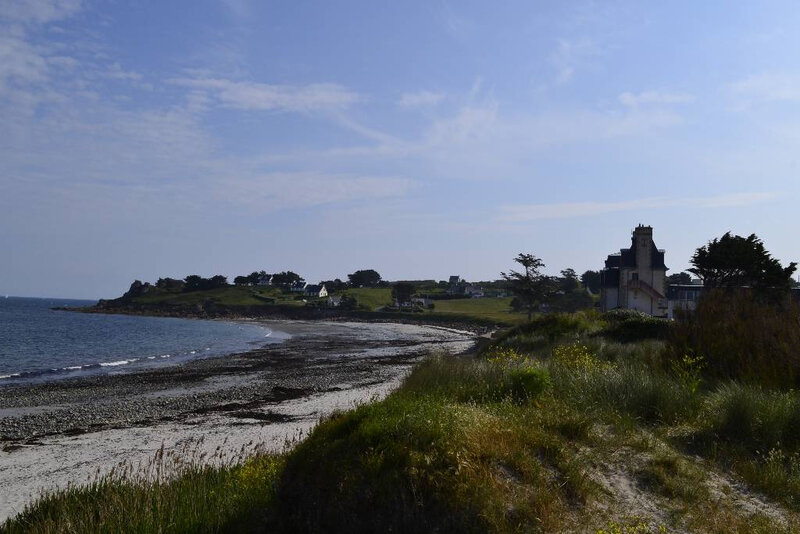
(38, 343)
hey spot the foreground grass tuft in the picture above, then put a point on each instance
(177, 492)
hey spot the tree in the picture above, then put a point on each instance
(257, 277)
(530, 287)
(591, 281)
(169, 284)
(241, 280)
(364, 278)
(569, 280)
(194, 282)
(683, 278)
(216, 281)
(733, 261)
(333, 285)
(402, 292)
(286, 279)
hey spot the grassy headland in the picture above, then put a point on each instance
(359, 303)
(581, 422)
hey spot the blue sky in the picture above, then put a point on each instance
(421, 139)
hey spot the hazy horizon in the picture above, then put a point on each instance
(422, 139)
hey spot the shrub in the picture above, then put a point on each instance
(742, 338)
(528, 382)
(628, 326)
(545, 330)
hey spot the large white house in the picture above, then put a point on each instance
(635, 278)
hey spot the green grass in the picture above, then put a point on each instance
(371, 298)
(490, 308)
(226, 296)
(177, 492)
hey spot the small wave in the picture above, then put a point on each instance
(165, 356)
(72, 368)
(192, 352)
(119, 362)
(12, 375)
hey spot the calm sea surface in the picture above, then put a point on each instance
(37, 343)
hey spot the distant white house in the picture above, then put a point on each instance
(316, 291)
(334, 301)
(265, 280)
(473, 291)
(421, 301)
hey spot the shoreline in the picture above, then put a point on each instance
(50, 432)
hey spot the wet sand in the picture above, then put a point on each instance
(66, 431)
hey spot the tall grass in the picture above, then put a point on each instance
(453, 450)
(627, 387)
(754, 418)
(742, 338)
(546, 330)
(178, 491)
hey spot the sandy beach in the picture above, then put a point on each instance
(68, 431)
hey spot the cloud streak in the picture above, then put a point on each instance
(420, 99)
(533, 212)
(655, 98)
(266, 97)
(767, 87)
(38, 11)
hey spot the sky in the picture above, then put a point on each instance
(423, 139)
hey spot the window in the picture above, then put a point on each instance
(634, 276)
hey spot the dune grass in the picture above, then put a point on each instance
(179, 491)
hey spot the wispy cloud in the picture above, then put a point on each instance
(267, 97)
(38, 11)
(655, 98)
(571, 54)
(266, 192)
(420, 99)
(532, 212)
(767, 87)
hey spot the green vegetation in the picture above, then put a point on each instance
(371, 298)
(226, 296)
(556, 426)
(497, 309)
(743, 338)
(177, 492)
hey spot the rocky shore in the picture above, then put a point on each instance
(270, 393)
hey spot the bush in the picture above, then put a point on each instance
(741, 338)
(628, 326)
(545, 330)
(528, 382)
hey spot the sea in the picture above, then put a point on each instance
(38, 343)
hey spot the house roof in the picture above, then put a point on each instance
(627, 258)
